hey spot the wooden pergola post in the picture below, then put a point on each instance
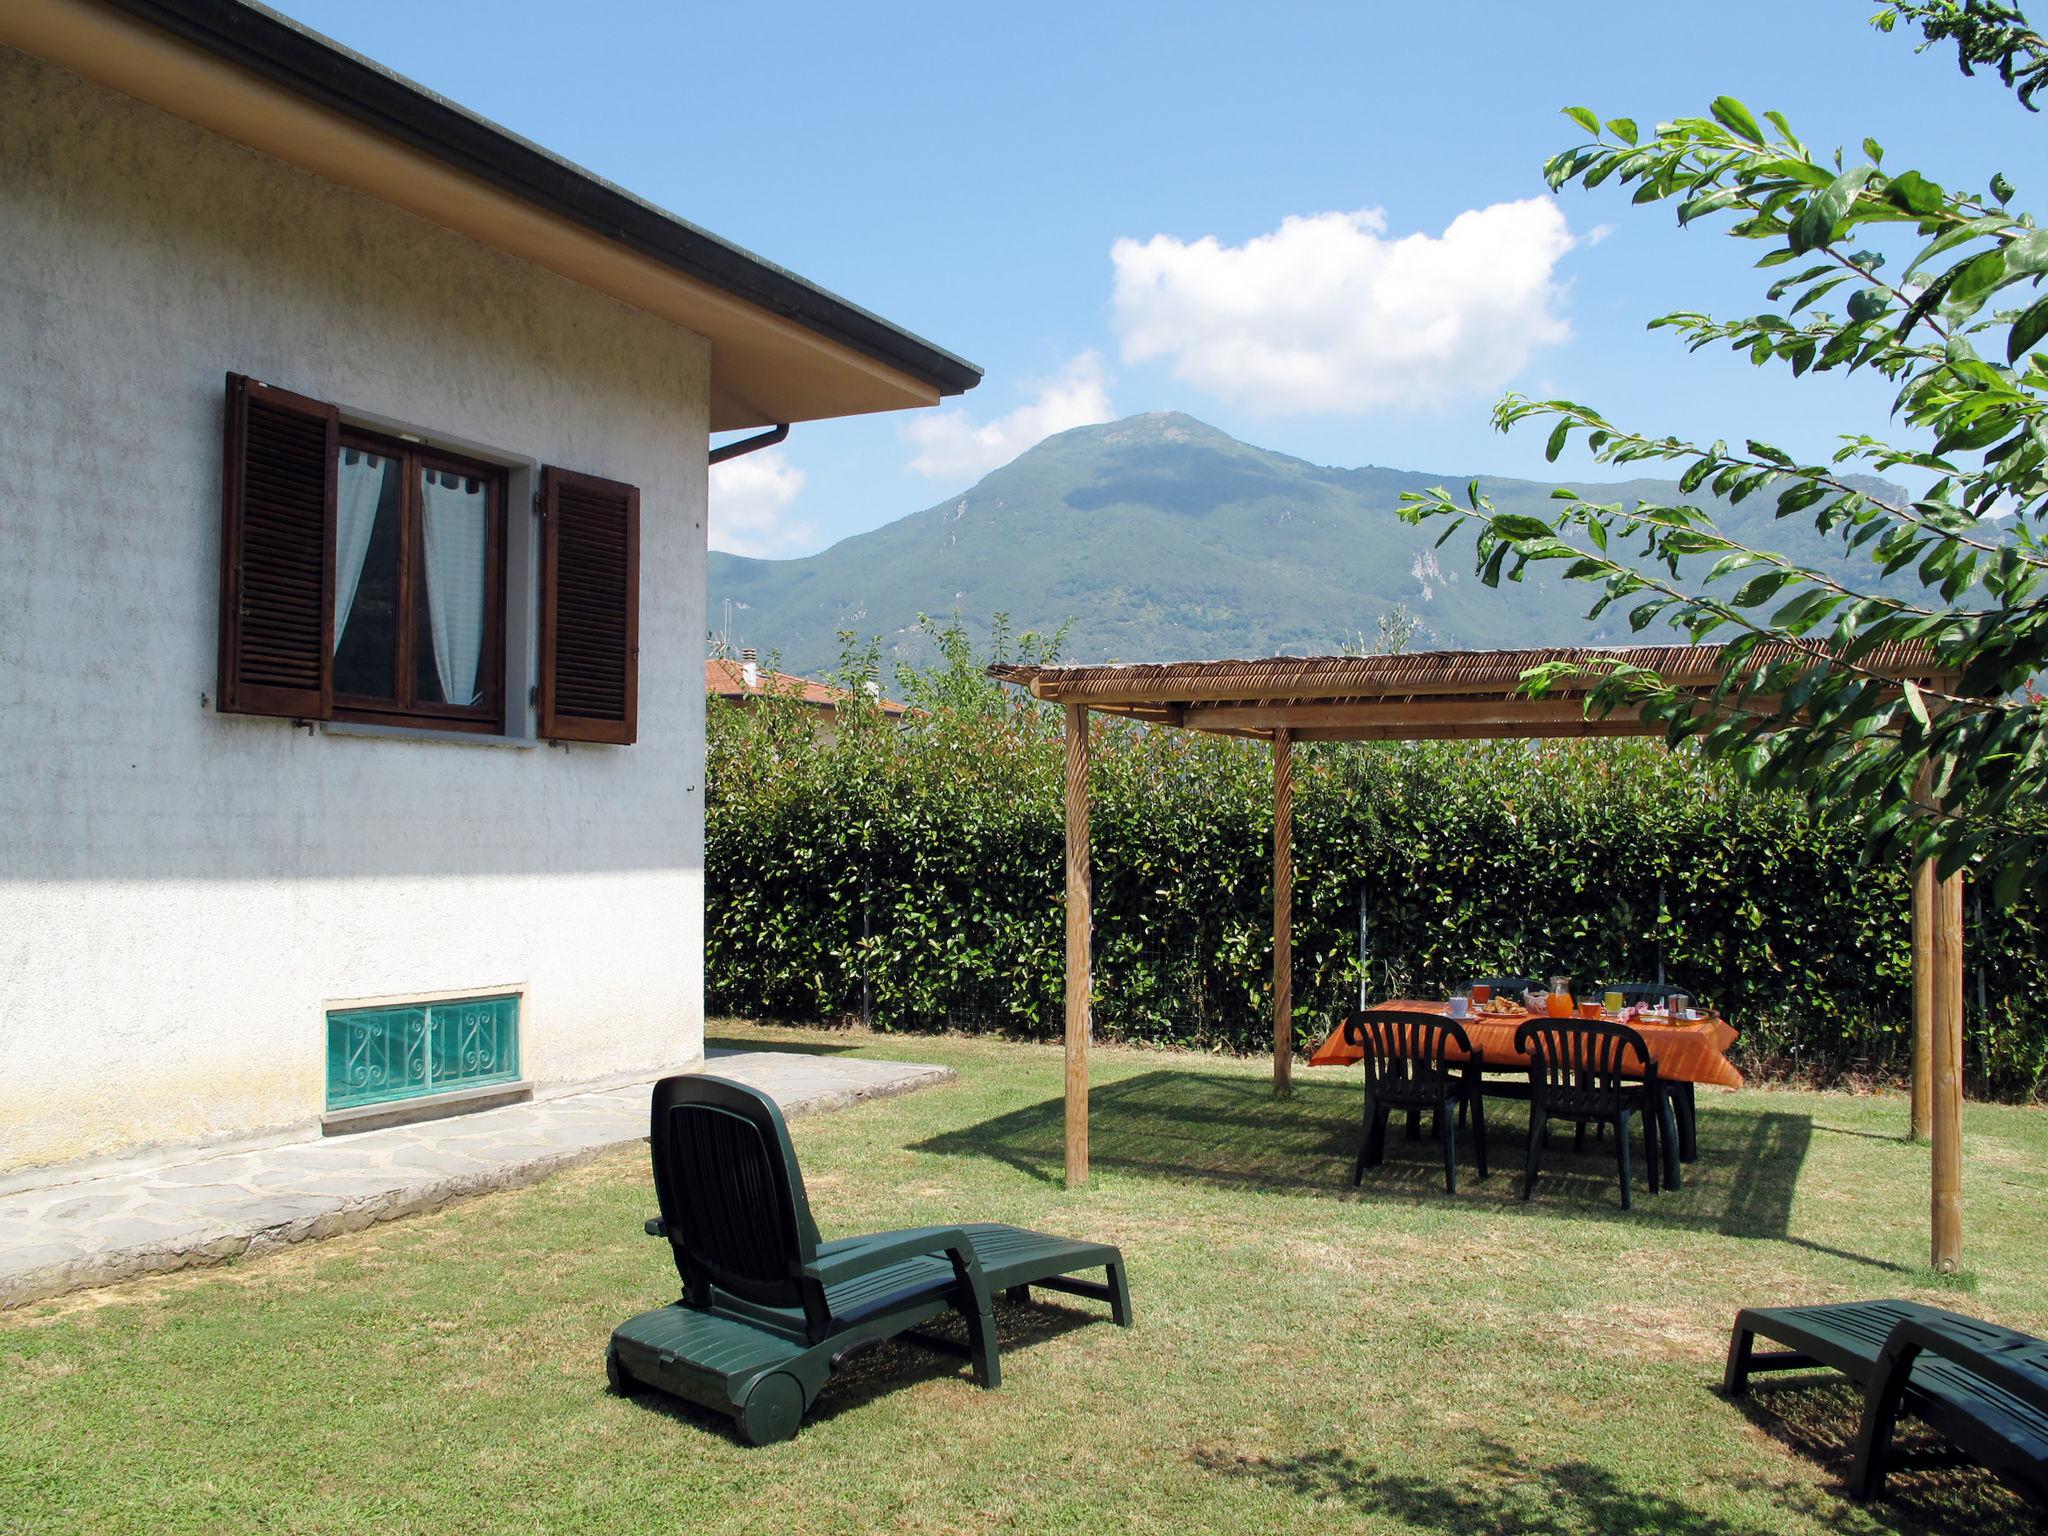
(1937, 1105)
(1923, 980)
(1945, 1052)
(1923, 999)
(1283, 911)
(1080, 918)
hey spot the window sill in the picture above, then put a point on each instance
(426, 733)
(432, 1106)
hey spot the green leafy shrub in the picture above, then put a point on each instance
(914, 876)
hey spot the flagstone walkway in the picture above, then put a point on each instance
(65, 1236)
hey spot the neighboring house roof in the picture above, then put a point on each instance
(783, 348)
(728, 679)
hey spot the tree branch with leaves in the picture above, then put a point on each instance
(1960, 568)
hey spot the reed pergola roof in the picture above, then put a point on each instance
(1420, 695)
(1473, 695)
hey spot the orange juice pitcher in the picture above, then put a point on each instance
(1560, 997)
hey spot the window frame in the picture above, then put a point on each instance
(405, 709)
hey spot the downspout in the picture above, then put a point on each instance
(768, 439)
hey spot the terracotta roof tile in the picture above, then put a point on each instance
(728, 680)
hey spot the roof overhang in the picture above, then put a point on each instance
(783, 350)
(1419, 696)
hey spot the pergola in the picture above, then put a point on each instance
(1467, 696)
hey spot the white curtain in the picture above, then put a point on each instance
(358, 492)
(453, 512)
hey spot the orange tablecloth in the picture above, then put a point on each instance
(1694, 1052)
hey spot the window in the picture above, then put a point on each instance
(418, 590)
(363, 578)
(376, 1055)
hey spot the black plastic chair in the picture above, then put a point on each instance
(1580, 1070)
(769, 1310)
(1682, 1097)
(1408, 1065)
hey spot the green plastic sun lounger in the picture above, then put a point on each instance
(1982, 1388)
(768, 1311)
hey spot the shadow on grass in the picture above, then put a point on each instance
(898, 1364)
(1232, 1132)
(778, 1047)
(1817, 1417)
(1505, 1496)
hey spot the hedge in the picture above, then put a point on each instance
(912, 877)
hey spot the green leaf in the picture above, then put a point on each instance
(2001, 189)
(1584, 117)
(2028, 329)
(1972, 281)
(1914, 193)
(1711, 202)
(1868, 303)
(2010, 880)
(1734, 116)
(1559, 435)
(1815, 226)
(1623, 128)
(1521, 528)
(1761, 589)
(1915, 705)
(2028, 255)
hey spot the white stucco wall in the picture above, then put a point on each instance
(182, 893)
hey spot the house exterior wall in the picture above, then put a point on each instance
(183, 893)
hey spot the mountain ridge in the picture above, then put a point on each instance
(1164, 538)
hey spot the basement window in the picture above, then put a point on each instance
(410, 1050)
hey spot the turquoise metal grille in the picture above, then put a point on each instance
(375, 1055)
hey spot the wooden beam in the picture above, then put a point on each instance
(1547, 730)
(1080, 918)
(1283, 911)
(1945, 1107)
(1313, 679)
(1379, 712)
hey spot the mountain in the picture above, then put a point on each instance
(1163, 539)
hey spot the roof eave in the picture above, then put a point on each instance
(283, 89)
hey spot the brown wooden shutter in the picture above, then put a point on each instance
(277, 554)
(589, 607)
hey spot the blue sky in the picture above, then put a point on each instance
(970, 171)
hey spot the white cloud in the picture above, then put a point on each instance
(1327, 313)
(952, 445)
(750, 499)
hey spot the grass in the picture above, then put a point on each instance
(1307, 1356)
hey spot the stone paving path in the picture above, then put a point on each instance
(66, 1236)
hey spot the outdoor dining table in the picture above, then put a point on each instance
(1688, 1051)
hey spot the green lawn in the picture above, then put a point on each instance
(1307, 1356)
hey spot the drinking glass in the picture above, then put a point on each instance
(1481, 992)
(1615, 1002)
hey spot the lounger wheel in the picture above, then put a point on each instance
(773, 1409)
(617, 1377)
